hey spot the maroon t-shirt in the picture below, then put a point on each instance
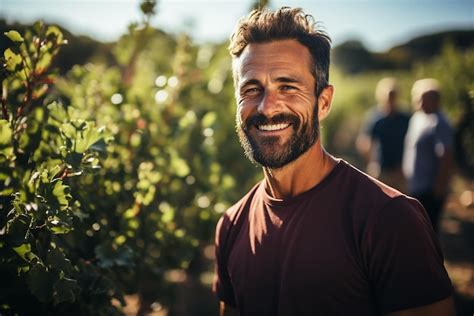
(348, 246)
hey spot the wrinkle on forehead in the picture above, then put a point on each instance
(274, 59)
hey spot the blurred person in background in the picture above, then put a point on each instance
(381, 142)
(316, 236)
(428, 156)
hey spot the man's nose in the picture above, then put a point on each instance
(269, 104)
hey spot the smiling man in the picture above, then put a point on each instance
(315, 236)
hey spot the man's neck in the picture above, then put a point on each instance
(300, 175)
(389, 109)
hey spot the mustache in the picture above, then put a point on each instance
(260, 119)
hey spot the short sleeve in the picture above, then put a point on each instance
(405, 262)
(222, 285)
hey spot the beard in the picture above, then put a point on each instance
(267, 151)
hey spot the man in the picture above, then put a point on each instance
(428, 149)
(381, 143)
(315, 236)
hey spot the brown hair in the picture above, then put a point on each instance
(262, 26)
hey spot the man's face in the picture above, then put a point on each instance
(429, 102)
(277, 114)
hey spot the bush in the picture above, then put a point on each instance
(43, 151)
(113, 176)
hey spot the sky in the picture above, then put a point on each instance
(379, 24)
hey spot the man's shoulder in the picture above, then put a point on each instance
(443, 121)
(396, 118)
(236, 212)
(366, 184)
(369, 193)
(373, 117)
(372, 199)
(233, 218)
(403, 118)
(404, 115)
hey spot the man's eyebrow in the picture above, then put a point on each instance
(288, 80)
(283, 79)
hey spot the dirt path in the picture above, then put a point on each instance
(457, 241)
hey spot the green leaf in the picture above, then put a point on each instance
(6, 147)
(23, 250)
(7, 191)
(180, 167)
(148, 7)
(23, 269)
(14, 36)
(89, 137)
(61, 192)
(12, 59)
(40, 283)
(53, 169)
(188, 120)
(168, 212)
(44, 63)
(57, 112)
(209, 119)
(167, 217)
(68, 130)
(38, 27)
(83, 135)
(54, 34)
(60, 229)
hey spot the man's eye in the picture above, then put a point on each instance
(251, 91)
(287, 88)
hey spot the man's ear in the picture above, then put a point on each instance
(325, 101)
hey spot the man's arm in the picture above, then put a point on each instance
(406, 262)
(226, 310)
(444, 139)
(441, 308)
(222, 285)
(444, 173)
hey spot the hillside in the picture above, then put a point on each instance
(351, 56)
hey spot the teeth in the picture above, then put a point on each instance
(272, 127)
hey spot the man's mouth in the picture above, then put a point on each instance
(273, 127)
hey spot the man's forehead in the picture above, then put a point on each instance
(273, 55)
(277, 48)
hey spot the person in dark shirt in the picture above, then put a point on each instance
(316, 236)
(382, 140)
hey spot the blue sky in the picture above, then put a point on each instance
(379, 24)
